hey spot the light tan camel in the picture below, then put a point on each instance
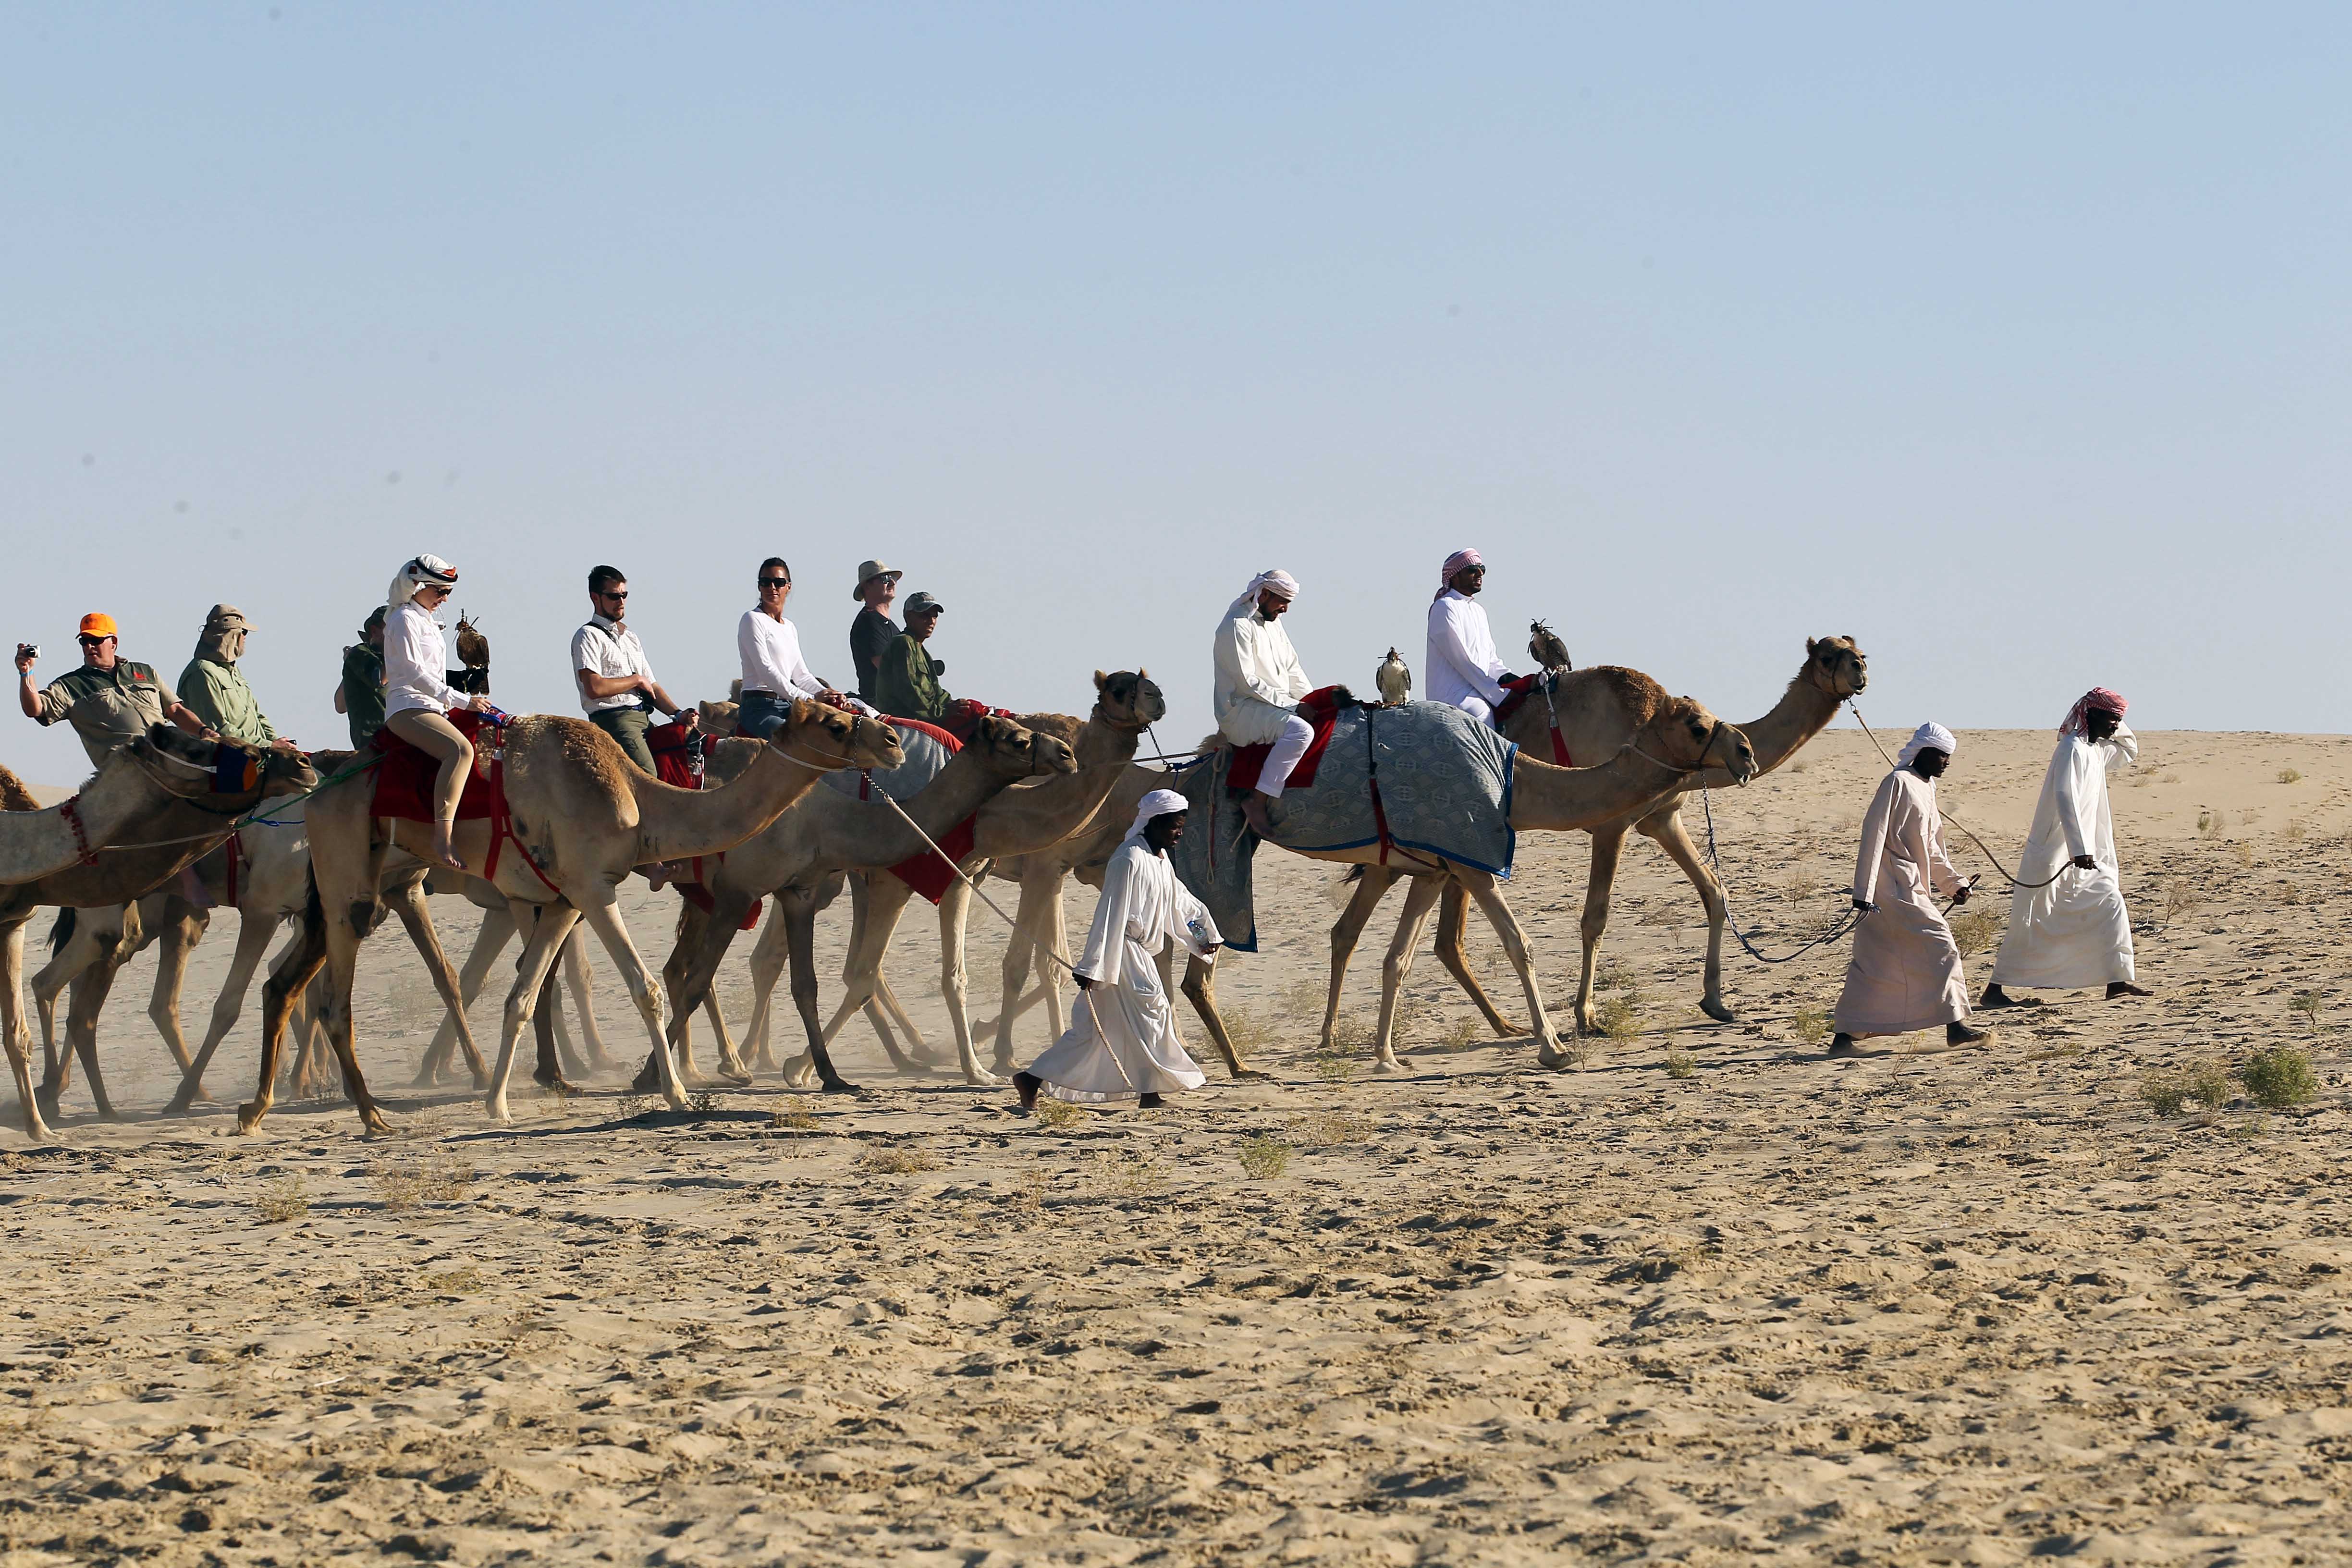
(36, 840)
(584, 818)
(173, 830)
(831, 833)
(1028, 817)
(1597, 710)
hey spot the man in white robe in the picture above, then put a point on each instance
(1121, 1043)
(1905, 974)
(1463, 668)
(1258, 685)
(2073, 932)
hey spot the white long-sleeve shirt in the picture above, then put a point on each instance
(1255, 665)
(1461, 662)
(417, 664)
(772, 657)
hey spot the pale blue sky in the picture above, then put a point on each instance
(2010, 341)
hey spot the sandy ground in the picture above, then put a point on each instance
(1927, 1307)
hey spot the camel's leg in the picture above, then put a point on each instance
(697, 935)
(407, 901)
(770, 955)
(16, 1035)
(1666, 828)
(489, 940)
(1452, 907)
(97, 933)
(603, 917)
(1421, 895)
(582, 979)
(1346, 932)
(1515, 946)
(343, 938)
(547, 1071)
(184, 928)
(955, 911)
(87, 999)
(1608, 842)
(303, 958)
(254, 932)
(919, 1056)
(731, 1062)
(569, 1062)
(314, 1076)
(877, 903)
(1056, 1020)
(1041, 893)
(1201, 987)
(800, 925)
(548, 925)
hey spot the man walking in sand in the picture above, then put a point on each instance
(1905, 974)
(1122, 1042)
(2073, 932)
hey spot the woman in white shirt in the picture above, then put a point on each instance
(774, 670)
(417, 696)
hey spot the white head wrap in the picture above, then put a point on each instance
(1159, 803)
(1928, 735)
(421, 572)
(1281, 582)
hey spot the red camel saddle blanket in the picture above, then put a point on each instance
(1523, 690)
(678, 754)
(1319, 708)
(403, 780)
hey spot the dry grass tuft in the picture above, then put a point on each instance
(1303, 999)
(2167, 1091)
(1463, 1032)
(2289, 775)
(1323, 1129)
(2181, 898)
(1054, 1115)
(460, 1281)
(1811, 1026)
(1252, 1032)
(283, 1199)
(1980, 930)
(1125, 1172)
(703, 1103)
(1615, 1016)
(1264, 1158)
(1681, 1064)
(2280, 1078)
(797, 1117)
(898, 1160)
(2209, 824)
(2244, 852)
(405, 1185)
(2295, 830)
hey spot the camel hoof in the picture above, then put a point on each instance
(735, 1077)
(1253, 1075)
(1551, 1056)
(841, 1086)
(978, 1076)
(1714, 1008)
(1387, 1064)
(248, 1118)
(496, 1108)
(555, 1082)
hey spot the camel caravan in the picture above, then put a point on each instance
(760, 811)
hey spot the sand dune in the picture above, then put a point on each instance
(1930, 1306)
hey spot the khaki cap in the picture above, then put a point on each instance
(226, 618)
(869, 570)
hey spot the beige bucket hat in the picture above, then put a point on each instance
(869, 570)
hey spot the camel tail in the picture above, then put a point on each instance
(62, 932)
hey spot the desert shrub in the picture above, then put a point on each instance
(462, 1281)
(2208, 825)
(1463, 1032)
(1303, 999)
(1250, 1030)
(1811, 1026)
(404, 1185)
(1978, 929)
(2279, 1078)
(2294, 830)
(1054, 1115)
(1615, 1018)
(2181, 898)
(1681, 1064)
(1264, 1158)
(2307, 1003)
(2289, 775)
(898, 1160)
(1335, 1066)
(796, 1117)
(703, 1103)
(281, 1200)
(2244, 853)
(1322, 1128)
(2168, 1091)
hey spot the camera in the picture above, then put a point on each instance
(28, 650)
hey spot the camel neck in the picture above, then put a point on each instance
(1019, 821)
(674, 824)
(1802, 712)
(1568, 800)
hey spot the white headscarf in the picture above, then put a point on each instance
(1159, 803)
(1281, 582)
(421, 572)
(1930, 734)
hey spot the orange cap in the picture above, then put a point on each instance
(98, 623)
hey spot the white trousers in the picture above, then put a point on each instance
(1475, 706)
(1296, 735)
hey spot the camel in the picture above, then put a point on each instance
(831, 833)
(1597, 711)
(174, 829)
(35, 841)
(491, 938)
(583, 819)
(1026, 818)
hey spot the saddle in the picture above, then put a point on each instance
(403, 778)
(1320, 708)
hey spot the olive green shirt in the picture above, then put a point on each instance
(217, 694)
(107, 708)
(364, 691)
(908, 684)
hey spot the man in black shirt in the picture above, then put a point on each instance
(872, 632)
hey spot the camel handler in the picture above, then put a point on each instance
(908, 684)
(1258, 685)
(1122, 1040)
(2074, 932)
(1905, 970)
(215, 689)
(1464, 670)
(110, 701)
(360, 694)
(417, 695)
(774, 670)
(617, 688)
(872, 632)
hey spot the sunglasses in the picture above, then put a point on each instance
(611, 593)
(91, 642)
(775, 582)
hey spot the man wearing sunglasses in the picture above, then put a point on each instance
(617, 688)
(774, 670)
(110, 701)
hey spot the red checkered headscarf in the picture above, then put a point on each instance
(2098, 700)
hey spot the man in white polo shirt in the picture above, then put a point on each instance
(617, 688)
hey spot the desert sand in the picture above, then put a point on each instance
(1712, 1298)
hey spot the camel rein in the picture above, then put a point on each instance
(256, 817)
(2063, 867)
(968, 883)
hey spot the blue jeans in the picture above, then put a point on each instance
(761, 713)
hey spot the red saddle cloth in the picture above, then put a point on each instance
(927, 873)
(1520, 690)
(962, 717)
(676, 761)
(403, 780)
(1319, 708)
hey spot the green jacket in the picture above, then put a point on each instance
(364, 691)
(217, 694)
(908, 684)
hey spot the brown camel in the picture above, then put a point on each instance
(584, 818)
(1597, 710)
(831, 833)
(36, 840)
(174, 829)
(1028, 818)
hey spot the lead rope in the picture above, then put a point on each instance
(968, 883)
(1845, 922)
(2063, 867)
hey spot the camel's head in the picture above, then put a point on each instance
(190, 766)
(1128, 700)
(826, 734)
(1684, 734)
(1020, 751)
(718, 718)
(1836, 666)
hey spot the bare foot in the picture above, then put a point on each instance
(1254, 807)
(444, 852)
(2125, 988)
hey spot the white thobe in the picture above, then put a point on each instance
(1462, 668)
(1905, 974)
(417, 664)
(1259, 681)
(1122, 1039)
(2075, 932)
